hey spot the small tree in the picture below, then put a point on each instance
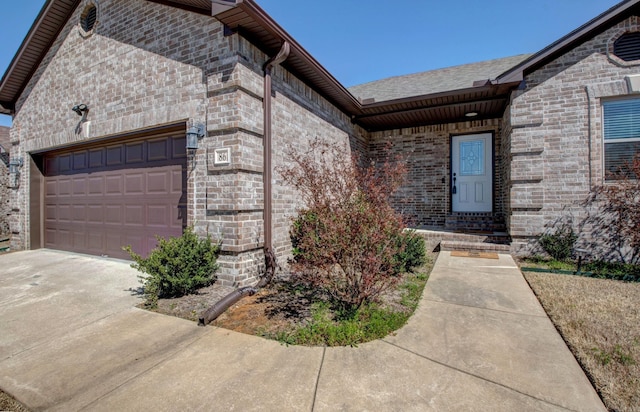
(621, 204)
(346, 239)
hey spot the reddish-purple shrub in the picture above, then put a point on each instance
(346, 239)
(621, 204)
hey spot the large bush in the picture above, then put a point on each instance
(177, 266)
(346, 239)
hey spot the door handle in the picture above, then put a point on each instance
(453, 189)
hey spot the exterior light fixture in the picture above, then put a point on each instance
(14, 172)
(15, 165)
(194, 133)
(471, 114)
(80, 109)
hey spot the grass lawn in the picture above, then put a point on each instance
(600, 321)
(8, 403)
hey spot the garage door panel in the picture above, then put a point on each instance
(51, 188)
(96, 158)
(50, 237)
(95, 185)
(114, 243)
(158, 149)
(177, 181)
(64, 213)
(95, 241)
(63, 238)
(159, 182)
(79, 185)
(64, 186)
(114, 155)
(80, 160)
(95, 214)
(79, 213)
(51, 166)
(51, 213)
(178, 217)
(134, 184)
(79, 239)
(134, 215)
(178, 147)
(118, 194)
(113, 184)
(138, 243)
(64, 163)
(113, 214)
(158, 215)
(134, 153)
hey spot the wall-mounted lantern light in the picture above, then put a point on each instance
(80, 109)
(194, 133)
(15, 165)
(14, 171)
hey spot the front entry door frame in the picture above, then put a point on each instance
(472, 173)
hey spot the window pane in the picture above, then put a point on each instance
(472, 158)
(621, 119)
(618, 157)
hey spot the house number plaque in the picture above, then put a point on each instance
(222, 156)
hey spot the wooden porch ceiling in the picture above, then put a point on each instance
(487, 101)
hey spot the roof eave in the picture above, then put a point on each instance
(557, 47)
(385, 115)
(411, 99)
(11, 92)
(7, 108)
(346, 101)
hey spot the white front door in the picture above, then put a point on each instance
(472, 173)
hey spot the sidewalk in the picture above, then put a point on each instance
(478, 341)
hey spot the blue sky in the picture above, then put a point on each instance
(364, 40)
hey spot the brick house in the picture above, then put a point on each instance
(103, 94)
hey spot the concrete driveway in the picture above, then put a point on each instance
(71, 339)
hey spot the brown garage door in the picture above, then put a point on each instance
(100, 198)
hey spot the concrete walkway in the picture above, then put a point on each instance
(71, 339)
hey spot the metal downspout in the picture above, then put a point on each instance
(219, 308)
(268, 226)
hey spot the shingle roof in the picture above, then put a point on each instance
(435, 81)
(4, 139)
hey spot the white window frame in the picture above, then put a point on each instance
(606, 141)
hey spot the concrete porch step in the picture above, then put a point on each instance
(477, 237)
(469, 242)
(450, 245)
(478, 221)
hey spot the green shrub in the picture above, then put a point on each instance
(177, 266)
(559, 245)
(412, 251)
(613, 270)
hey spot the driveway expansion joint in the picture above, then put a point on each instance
(168, 355)
(485, 308)
(315, 389)
(477, 376)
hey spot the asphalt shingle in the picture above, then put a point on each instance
(435, 81)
